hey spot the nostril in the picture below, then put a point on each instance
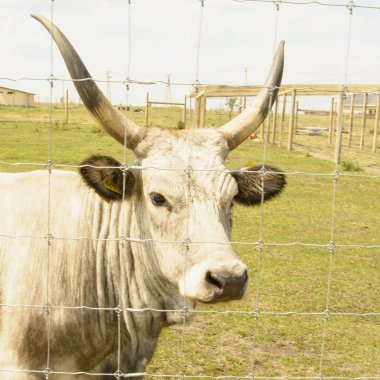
(245, 277)
(213, 279)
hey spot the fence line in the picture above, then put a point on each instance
(260, 245)
(350, 5)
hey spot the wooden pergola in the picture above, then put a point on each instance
(334, 91)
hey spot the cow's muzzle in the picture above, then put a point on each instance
(211, 281)
(226, 286)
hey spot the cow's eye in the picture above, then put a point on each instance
(158, 199)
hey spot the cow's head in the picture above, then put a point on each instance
(184, 192)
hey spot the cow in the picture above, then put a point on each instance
(94, 264)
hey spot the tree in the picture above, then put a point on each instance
(231, 104)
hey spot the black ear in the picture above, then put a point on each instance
(104, 175)
(256, 180)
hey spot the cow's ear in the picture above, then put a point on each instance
(104, 175)
(256, 181)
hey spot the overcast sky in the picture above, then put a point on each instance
(164, 35)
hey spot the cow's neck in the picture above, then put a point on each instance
(126, 278)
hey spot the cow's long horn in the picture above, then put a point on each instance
(238, 129)
(114, 122)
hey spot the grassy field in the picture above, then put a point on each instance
(318, 145)
(291, 285)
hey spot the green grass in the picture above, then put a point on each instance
(284, 277)
(350, 166)
(350, 153)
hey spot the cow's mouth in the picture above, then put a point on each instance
(222, 296)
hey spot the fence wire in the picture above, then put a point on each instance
(255, 310)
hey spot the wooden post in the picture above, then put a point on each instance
(202, 111)
(364, 119)
(275, 122)
(147, 110)
(262, 127)
(184, 112)
(296, 118)
(351, 125)
(282, 120)
(332, 113)
(375, 131)
(268, 123)
(291, 120)
(196, 112)
(199, 109)
(244, 102)
(67, 107)
(339, 130)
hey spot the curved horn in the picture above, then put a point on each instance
(114, 122)
(238, 129)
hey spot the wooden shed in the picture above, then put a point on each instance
(16, 98)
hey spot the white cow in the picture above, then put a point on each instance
(155, 239)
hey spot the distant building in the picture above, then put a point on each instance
(16, 98)
(358, 103)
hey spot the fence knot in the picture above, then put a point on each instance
(260, 245)
(351, 6)
(127, 82)
(336, 175)
(47, 308)
(49, 238)
(122, 240)
(196, 85)
(124, 168)
(49, 166)
(118, 374)
(272, 89)
(184, 313)
(51, 79)
(256, 314)
(47, 372)
(263, 171)
(344, 92)
(187, 242)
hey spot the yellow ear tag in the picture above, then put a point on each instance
(110, 185)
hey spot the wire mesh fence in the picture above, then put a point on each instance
(313, 255)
